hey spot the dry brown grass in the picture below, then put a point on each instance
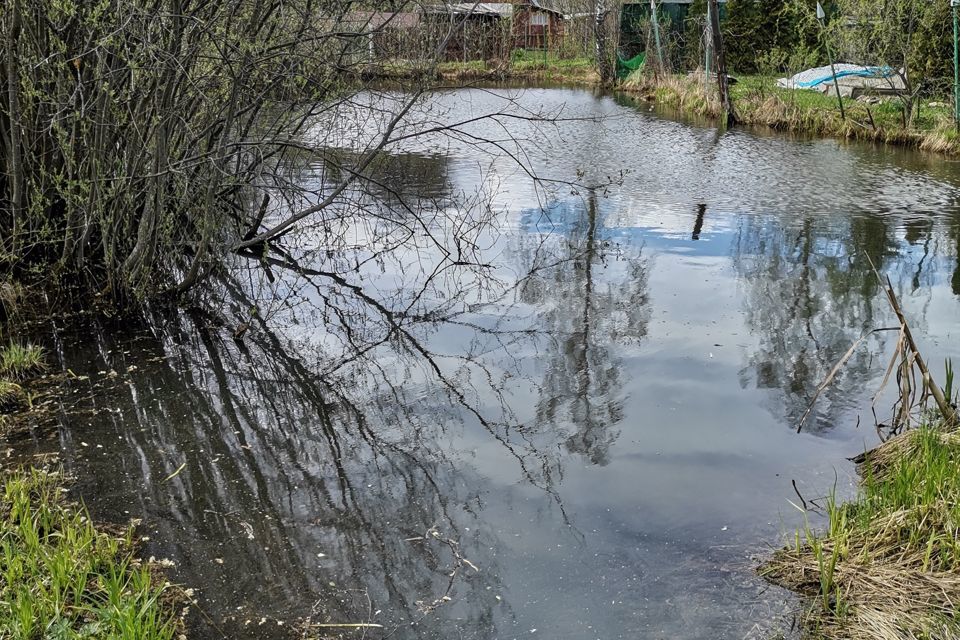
(871, 600)
(888, 564)
(685, 93)
(797, 112)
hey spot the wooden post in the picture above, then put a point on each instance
(822, 17)
(729, 116)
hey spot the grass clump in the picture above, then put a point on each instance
(12, 397)
(888, 564)
(19, 361)
(63, 578)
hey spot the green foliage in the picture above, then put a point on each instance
(771, 35)
(760, 36)
(62, 578)
(19, 361)
(784, 36)
(932, 57)
(876, 33)
(518, 55)
(912, 36)
(133, 131)
(693, 28)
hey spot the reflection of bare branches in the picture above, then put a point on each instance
(319, 424)
(809, 295)
(433, 535)
(267, 442)
(585, 313)
(399, 335)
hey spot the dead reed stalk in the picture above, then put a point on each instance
(909, 365)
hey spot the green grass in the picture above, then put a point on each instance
(63, 578)
(536, 60)
(888, 113)
(526, 65)
(18, 361)
(888, 562)
(758, 101)
(529, 66)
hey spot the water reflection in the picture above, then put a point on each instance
(809, 293)
(954, 235)
(292, 499)
(586, 316)
(393, 178)
(594, 408)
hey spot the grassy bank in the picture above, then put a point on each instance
(62, 576)
(758, 101)
(526, 67)
(65, 578)
(19, 363)
(888, 563)
(530, 67)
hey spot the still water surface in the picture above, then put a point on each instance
(616, 445)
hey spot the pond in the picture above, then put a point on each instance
(589, 433)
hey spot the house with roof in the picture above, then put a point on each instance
(537, 25)
(460, 31)
(468, 30)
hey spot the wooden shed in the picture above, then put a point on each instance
(536, 26)
(471, 31)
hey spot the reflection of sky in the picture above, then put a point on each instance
(701, 468)
(694, 406)
(657, 227)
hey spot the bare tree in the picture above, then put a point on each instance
(604, 11)
(885, 34)
(143, 143)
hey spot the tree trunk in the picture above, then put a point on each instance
(654, 21)
(729, 115)
(604, 66)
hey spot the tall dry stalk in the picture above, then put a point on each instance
(907, 362)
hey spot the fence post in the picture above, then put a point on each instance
(822, 16)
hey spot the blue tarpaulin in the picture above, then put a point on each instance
(815, 77)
